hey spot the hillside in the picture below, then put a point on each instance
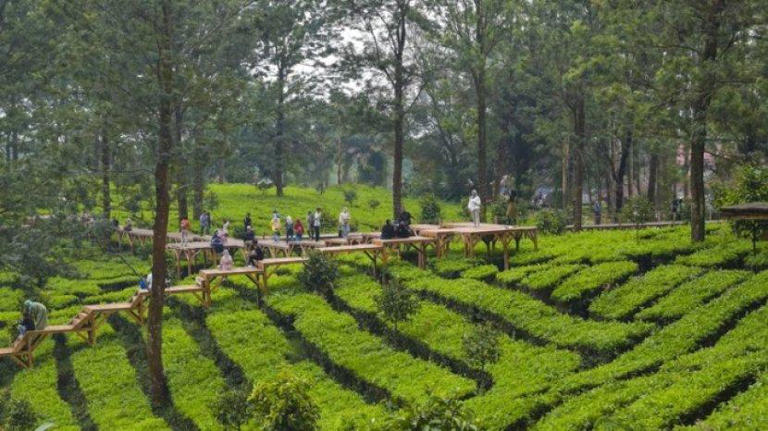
(591, 337)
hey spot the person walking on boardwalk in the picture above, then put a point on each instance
(310, 222)
(185, 226)
(226, 262)
(205, 223)
(474, 207)
(288, 228)
(317, 219)
(344, 218)
(298, 230)
(275, 225)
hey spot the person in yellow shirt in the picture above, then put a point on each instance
(275, 225)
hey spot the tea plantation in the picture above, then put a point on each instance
(600, 330)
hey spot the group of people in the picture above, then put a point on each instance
(400, 229)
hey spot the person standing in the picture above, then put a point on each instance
(298, 230)
(288, 228)
(205, 223)
(275, 225)
(474, 207)
(317, 219)
(184, 224)
(344, 218)
(598, 209)
(247, 221)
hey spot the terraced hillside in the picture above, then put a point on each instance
(599, 331)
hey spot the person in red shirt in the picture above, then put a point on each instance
(184, 231)
(298, 229)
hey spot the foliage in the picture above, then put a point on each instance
(445, 414)
(751, 185)
(373, 204)
(430, 210)
(550, 221)
(481, 346)
(481, 272)
(589, 281)
(319, 273)
(350, 196)
(19, 416)
(284, 404)
(637, 210)
(396, 303)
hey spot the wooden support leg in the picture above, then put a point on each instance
(505, 247)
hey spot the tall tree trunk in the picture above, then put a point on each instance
(339, 161)
(653, 172)
(279, 132)
(106, 198)
(399, 120)
(181, 178)
(397, 169)
(579, 128)
(159, 387)
(198, 184)
(700, 111)
(564, 173)
(482, 161)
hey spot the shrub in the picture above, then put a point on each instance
(437, 413)
(550, 221)
(350, 196)
(284, 404)
(482, 272)
(373, 204)
(396, 303)
(19, 416)
(637, 210)
(232, 409)
(481, 346)
(430, 210)
(452, 267)
(319, 273)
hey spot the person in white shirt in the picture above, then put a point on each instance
(474, 207)
(344, 222)
(316, 223)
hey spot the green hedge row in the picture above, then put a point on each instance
(38, 386)
(516, 274)
(746, 411)
(194, 380)
(522, 368)
(677, 338)
(719, 256)
(108, 381)
(250, 339)
(680, 387)
(622, 301)
(451, 267)
(591, 280)
(481, 272)
(691, 294)
(548, 278)
(528, 314)
(337, 334)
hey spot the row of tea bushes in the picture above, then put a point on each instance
(623, 301)
(527, 314)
